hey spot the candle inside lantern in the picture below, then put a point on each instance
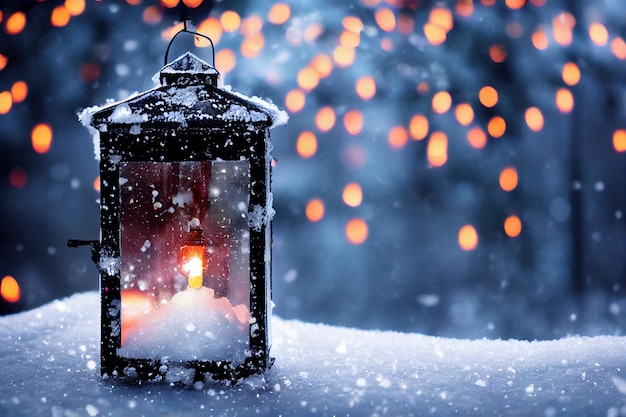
(192, 259)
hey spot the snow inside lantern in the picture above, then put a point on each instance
(186, 207)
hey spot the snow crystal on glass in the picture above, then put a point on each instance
(109, 264)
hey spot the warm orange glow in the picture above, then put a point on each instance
(295, 100)
(75, 7)
(513, 226)
(515, 4)
(423, 87)
(192, 3)
(618, 47)
(352, 23)
(323, 64)
(488, 96)
(465, 8)
(366, 87)
(352, 194)
(225, 60)
(540, 40)
(134, 2)
(279, 13)
(314, 210)
(468, 238)
(371, 3)
(41, 138)
(10, 289)
(307, 78)
(619, 140)
(538, 3)
(97, 184)
(251, 25)
(397, 137)
(496, 126)
(564, 100)
(134, 305)
(169, 3)
(6, 102)
(356, 231)
(570, 74)
(418, 127)
(18, 178)
(349, 39)
(15, 23)
(562, 26)
(437, 149)
(210, 27)
(488, 2)
(3, 61)
(435, 34)
(598, 34)
(230, 21)
(325, 119)
(441, 17)
(60, 16)
(344, 57)
(306, 145)
(464, 114)
(497, 53)
(385, 19)
(442, 100)
(252, 45)
(508, 179)
(477, 138)
(313, 31)
(19, 91)
(152, 15)
(406, 24)
(353, 122)
(534, 119)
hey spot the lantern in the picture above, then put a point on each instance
(185, 249)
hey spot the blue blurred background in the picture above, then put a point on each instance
(454, 168)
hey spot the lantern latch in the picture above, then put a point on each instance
(95, 247)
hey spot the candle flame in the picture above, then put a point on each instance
(193, 269)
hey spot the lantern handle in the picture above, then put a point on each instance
(193, 32)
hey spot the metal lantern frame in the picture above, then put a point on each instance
(204, 134)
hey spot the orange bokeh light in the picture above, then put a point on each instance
(435, 34)
(562, 26)
(323, 64)
(564, 100)
(618, 47)
(325, 119)
(406, 24)
(468, 238)
(41, 138)
(19, 91)
(75, 7)
(465, 8)
(366, 87)
(508, 179)
(15, 23)
(230, 21)
(515, 4)
(464, 114)
(6, 102)
(356, 231)
(442, 101)
(477, 138)
(598, 34)
(349, 39)
(210, 27)
(3, 61)
(397, 137)
(534, 119)
(170, 3)
(343, 56)
(97, 184)
(251, 25)
(441, 17)
(418, 127)
(497, 53)
(352, 23)
(619, 140)
(295, 100)
(314, 210)
(512, 226)
(496, 126)
(252, 45)
(385, 19)
(307, 78)
(437, 149)
(152, 15)
(540, 40)
(225, 60)
(279, 14)
(10, 289)
(488, 96)
(570, 74)
(352, 194)
(306, 145)
(353, 122)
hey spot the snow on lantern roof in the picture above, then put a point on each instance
(188, 97)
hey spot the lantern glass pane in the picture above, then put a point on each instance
(185, 260)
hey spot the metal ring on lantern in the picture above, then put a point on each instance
(185, 30)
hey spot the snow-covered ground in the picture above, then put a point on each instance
(49, 361)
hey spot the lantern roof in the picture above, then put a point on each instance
(187, 97)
